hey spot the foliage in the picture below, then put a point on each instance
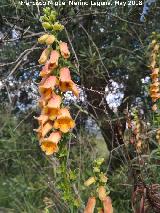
(27, 177)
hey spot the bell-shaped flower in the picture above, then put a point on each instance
(64, 121)
(155, 96)
(154, 85)
(66, 83)
(154, 74)
(48, 83)
(42, 119)
(44, 56)
(42, 102)
(49, 145)
(43, 130)
(53, 61)
(64, 50)
(90, 205)
(44, 98)
(45, 70)
(154, 90)
(53, 107)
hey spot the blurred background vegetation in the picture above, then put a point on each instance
(109, 48)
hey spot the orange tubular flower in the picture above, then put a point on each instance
(44, 56)
(65, 82)
(45, 70)
(154, 90)
(155, 96)
(90, 205)
(53, 61)
(44, 130)
(42, 119)
(42, 102)
(154, 74)
(64, 122)
(64, 50)
(47, 84)
(53, 107)
(44, 98)
(49, 145)
(107, 205)
(154, 85)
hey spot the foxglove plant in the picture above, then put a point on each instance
(55, 119)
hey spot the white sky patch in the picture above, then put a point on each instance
(114, 95)
(145, 80)
(15, 34)
(70, 97)
(101, 30)
(1, 85)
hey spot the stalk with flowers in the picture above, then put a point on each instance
(55, 121)
(99, 198)
(154, 66)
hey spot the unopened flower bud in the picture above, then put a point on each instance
(157, 137)
(153, 42)
(44, 56)
(42, 39)
(99, 161)
(96, 169)
(103, 178)
(52, 17)
(57, 26)
(45, 18)
(90, 181)
(47, 10)
(156, 47)
(47, 25)
(50, 39)
(101, 193)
